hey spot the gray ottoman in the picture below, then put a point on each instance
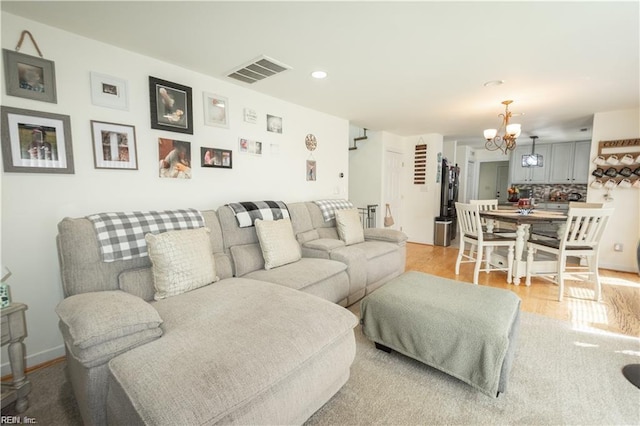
(464, 330)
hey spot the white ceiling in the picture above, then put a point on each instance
(405, 67)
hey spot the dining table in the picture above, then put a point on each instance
(523, 222)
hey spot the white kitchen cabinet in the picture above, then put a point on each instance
(569, 162)
(581, 162)
(521, 174)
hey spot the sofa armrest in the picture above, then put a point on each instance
(97, 326)
(389, 235)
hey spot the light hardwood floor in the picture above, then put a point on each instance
(618, 312)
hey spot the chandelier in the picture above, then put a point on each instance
(505, 137)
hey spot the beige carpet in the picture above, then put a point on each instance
(559, 376)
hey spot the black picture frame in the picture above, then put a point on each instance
(216, 158)
(36, 142)
(171, 106)
(29, 76)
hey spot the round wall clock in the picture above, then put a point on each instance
(311, 142)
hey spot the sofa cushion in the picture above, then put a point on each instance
(300, 274)
(381, 234)
(139, 282)
(247, 258)
(277, 242)
(325, 244)
(219, 362)
(182, 261)
(103, 352)
(373, 249)
(98, 317)
(304, 237)
(349, 226)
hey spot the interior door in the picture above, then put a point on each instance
(502, 182)
(471, 184)
(393, 173)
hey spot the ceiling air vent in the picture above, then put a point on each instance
(258, 69)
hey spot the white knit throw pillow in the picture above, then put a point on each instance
(277, 242)
(349, 226)
(182, 261)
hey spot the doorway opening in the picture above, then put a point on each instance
(493, 181)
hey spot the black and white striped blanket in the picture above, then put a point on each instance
(121, 235)
(248, 211)
(329, 207)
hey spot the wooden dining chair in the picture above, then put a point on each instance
(581, 238)
(470, 225)
(498, 228)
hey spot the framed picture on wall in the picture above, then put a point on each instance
(36, 142)
(171, 106)
(29, 77)
(110, 92)
(274, 124)
(214, 157)
(216, 110)
(175, 159)
(311, 170)
(249, 146)
(114, 146)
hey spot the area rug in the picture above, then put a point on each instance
(559, 376)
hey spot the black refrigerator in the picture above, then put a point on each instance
(449, 180)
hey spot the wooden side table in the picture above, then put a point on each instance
(14, 330)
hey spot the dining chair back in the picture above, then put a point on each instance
(581, 237)
(471, 233)
(485, 205)
(579, 205)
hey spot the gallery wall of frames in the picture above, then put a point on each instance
(89, 127)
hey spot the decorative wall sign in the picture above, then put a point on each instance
(214, 157)
(420, 163)
(216, 110)
(110, 92)
(114, 146)
(36, 142)
(439, 170)
(175, 159)
(274, 124)
(29, 76)
(250, 116)
(171, 106)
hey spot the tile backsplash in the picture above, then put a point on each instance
(544, 192)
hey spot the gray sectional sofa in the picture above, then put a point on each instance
(258, 346)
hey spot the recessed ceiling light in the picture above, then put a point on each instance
(319, 74)
(493, 83)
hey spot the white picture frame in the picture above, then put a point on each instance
(109, 92)
(216, 110)
(250, 146)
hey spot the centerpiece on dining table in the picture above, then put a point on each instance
(525, 206)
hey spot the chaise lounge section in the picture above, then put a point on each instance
(255, 346)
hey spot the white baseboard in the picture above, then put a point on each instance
(36, 359)
(621, 268)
